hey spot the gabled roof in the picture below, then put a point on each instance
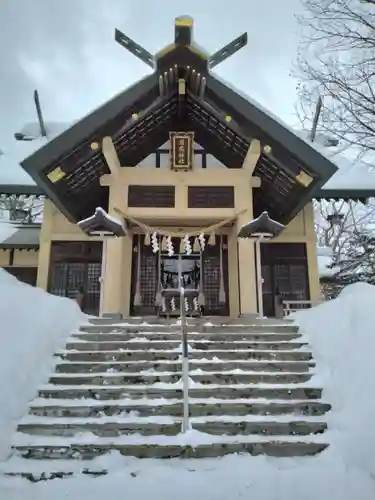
(24, 237)
(139, 121)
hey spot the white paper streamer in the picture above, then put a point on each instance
(170, 246)
(195, 303)
(202, 241)
(188, 247)
(154, 243)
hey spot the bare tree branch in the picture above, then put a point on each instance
(336, 60)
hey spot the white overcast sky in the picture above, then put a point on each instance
(66, 50)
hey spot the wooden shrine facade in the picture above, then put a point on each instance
(179, 152)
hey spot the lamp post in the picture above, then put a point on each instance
(260, 229)
(103, 225)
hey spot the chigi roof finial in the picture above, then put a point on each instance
(183, 36)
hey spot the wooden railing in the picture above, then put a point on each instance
(291, 306)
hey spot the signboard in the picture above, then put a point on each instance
(182, 150)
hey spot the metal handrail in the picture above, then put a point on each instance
(170, 292)
(185, 361)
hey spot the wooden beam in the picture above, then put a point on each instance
(110, 155)
(252, 156)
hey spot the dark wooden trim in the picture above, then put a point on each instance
(151, 196)
(250, 116)
(26, 274)
(11, 257)
(211, 197)
(21, 190)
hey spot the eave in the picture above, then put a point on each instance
(21, 190)
(78, 192)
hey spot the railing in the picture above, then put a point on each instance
(170, 292)
(185, 361)
(292, 306)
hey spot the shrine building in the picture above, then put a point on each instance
(180, 161)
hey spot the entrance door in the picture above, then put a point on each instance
(179, 269)
(285, 275)
(152, 267)
(74, 265)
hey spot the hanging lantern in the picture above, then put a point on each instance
(196, 247)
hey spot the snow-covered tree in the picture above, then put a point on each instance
(26, 209)
(336, 61)
(358, 263)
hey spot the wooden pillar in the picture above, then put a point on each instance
(311, 253)
(45, 246)
(246, 270)
(233, 283)
(112, 299)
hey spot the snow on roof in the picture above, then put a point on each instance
(17, 151)
(101, 211)
(24, 236)
(354, 175)
(350, 175)
(6, 230)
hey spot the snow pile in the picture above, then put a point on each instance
(33, 325)
(341, 333)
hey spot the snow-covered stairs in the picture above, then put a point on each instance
(118, 387)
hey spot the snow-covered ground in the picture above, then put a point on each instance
(341, 332)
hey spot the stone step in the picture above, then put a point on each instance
(36, 476)
(175, 366)
(193, 336)
(72, 427)
(127, 328)
(204, 320)
(142, 355)
(108, 379)
(166, 345)
(220, 392)
(94, 408)
(255, 447)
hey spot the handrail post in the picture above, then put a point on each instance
(185, 361)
